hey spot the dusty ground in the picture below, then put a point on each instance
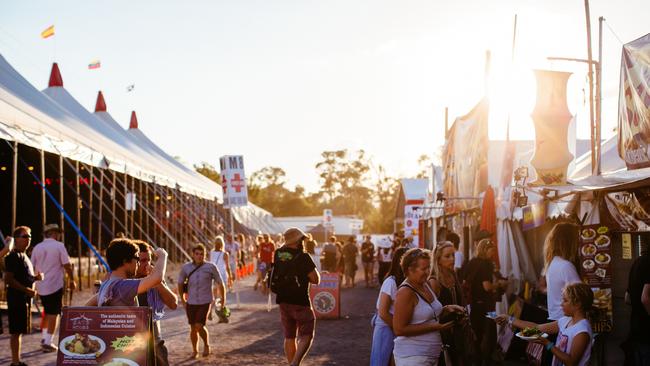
(253, 337)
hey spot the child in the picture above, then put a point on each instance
(573, 346)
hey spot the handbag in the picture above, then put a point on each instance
(187, 279)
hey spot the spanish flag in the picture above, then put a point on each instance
(49, 32)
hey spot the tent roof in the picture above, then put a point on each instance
(414, 189)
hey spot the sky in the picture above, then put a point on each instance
(282, 81)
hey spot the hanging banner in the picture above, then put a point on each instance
(233, 181)
(105, 336)
(465, 159)
(634, 104)
(595, 257)
(130, 201)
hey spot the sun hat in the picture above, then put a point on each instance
(293, 235)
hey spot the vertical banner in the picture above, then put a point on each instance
(634, 104)
(533, 216)
(327, 218)
(595, 255)
(412, 215)
(233, 181)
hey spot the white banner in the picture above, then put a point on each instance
(327, 218)
(130, 201)
(233, 181)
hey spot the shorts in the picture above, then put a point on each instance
(197, 314)
(20, 314)
(53, 302)
(297, 318)
(263, 267)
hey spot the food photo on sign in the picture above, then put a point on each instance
(595, 257)
(105, 336)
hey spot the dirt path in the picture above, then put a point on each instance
(253, 337)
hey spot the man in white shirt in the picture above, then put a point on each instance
(51, 258)
(234, 252)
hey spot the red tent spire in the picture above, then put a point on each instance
(100, 106)
(134, 121)
(55, 77)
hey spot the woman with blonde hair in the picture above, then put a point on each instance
(560, 256)
(416, 321)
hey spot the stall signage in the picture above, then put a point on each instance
(105, 336)
(533, 216)
(412, 215)
(626, 243)
(325, 297)
(595, 269)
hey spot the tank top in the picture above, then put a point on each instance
(428, 344)
(385, 257)
(218, 260)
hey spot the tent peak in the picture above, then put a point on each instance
(55, 77)
(100, 106)
(134, 121)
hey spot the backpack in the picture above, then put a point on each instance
(283, 277)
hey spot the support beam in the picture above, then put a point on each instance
(78, 221)
(14, 187)
(61, 198)
(43, 199)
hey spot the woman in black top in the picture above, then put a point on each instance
(445, 284)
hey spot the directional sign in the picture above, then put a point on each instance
(233, 181)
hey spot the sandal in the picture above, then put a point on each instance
(194, 355)
(206, 351)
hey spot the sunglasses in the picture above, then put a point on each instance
(24, 236)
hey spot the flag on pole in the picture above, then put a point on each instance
(94, 65)
(49, 32)
(130, 88)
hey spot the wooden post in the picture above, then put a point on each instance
(591, 90)
(101, 211)
(140, 208)
(61, 199)
(155, 216)
(126, 212)
(14, 187)
(113, 198)
(132, 208)
(599, 86)
(91, 179)
(78, 220)
(147, 219)
(43, 198)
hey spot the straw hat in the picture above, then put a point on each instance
(293, 235)
(51, 227)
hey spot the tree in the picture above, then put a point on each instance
(209, 171)
(424, 165)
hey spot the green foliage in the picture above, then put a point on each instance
(209, 171)
(349, 185)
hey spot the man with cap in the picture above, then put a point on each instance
(294, 270)
(51, 258)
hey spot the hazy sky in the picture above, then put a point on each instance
(282, 81)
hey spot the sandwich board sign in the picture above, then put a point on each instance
(233, 181)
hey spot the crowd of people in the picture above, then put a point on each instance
(433, 308)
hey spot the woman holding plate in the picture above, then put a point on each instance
(574, 335)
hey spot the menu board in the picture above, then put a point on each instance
(105, 336)
(595, 253)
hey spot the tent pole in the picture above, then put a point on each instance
(78, 220)
(61, 197)
(43, 202)
(155, 214)
(90, 218)
(14, 187)
(142, 199)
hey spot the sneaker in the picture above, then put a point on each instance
(47, 348)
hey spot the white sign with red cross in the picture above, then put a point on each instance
(233, 181)
(327, 218)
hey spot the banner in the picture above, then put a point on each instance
(233, 181)
(105, 336)
(595, 257)
(533, 216)
(634, 104)
(412, 215)
(465, 159)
